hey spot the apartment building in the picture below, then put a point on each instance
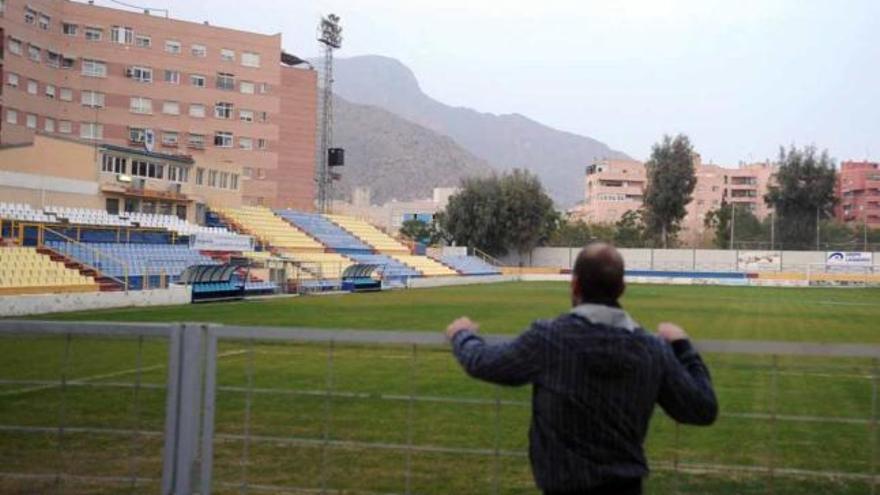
(858, 193)
(613, 187)
(128, 79)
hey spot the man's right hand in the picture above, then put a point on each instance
(670, 332)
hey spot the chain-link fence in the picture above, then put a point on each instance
(109, 408)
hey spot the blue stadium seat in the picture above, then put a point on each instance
(330, 234)
(470, 265)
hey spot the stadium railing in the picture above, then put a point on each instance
(204, 361)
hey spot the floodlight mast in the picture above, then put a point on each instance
(330, 36)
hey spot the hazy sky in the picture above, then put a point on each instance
(740, 77)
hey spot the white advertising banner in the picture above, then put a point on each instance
(849, 258)
(215, 242)
(759, 260)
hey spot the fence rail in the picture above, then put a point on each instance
(192, 386)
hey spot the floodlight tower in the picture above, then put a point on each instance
(330, 37)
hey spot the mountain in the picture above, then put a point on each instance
(396, 158)
(504, 141)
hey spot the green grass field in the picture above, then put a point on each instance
(788, 425)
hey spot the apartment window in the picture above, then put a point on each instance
(32, 87)
(171, 139)
(137, 135)
(140, 74)
(140, 168)
(66, 94)
(171, 108)
(69, 29)
(90, 130)
(93, 34)
(198, 81)
(261, 144)
(14, 46)
(212, 178)
(199, 51)
(250, 59)
(142, 41)
(34, 53)
(246, 115)
(50, 91)
(66, 62)
(11, 117)
(172, 77)
(197, 111)
(122, 35)
(114, 164)
(172, 46)
(53, 59)
(92, 99)
(264, 88)
(200, 176)
(65, 126)
(233, 182)
(139, 104)
(12, 79)
(94, 68)
(223, 139)
(246, 143)
(247, 87)
(43, 22)
(225, 81)
(196, 141)
(49, 125)
(30, 15)
(223, 110)
(227, 55)
(224, 180)
(264, 116)
(178, 174)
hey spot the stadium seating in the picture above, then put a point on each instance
(370, 235)
(391, 268)
(320, 265)
(270, 229)
(425, 265)
(470, 265)
(24, 270)
(134, 260)
(325, 231)
(23, 213)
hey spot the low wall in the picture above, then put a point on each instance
(35, 304)
(671, 259)
(426, 282)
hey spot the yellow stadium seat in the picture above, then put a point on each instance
(24, 270)
(369, 234)
(269, 228)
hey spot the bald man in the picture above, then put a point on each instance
(596, 375)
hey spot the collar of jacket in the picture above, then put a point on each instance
(605, 315)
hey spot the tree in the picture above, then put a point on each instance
(497, 214)
(528, 214)
(747, 228)
(630, 230)
(803, 195)
(580, 233)
(419, 231)
(671, 181)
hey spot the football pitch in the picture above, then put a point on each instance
(307, 418)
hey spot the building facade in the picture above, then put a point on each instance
(613, 187)
(858, 193)
(129, 79)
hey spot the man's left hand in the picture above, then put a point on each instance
(459, 325)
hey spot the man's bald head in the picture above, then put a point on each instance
(597, 276)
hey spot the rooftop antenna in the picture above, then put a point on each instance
(330, 36)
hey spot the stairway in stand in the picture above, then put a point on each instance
(105, 284)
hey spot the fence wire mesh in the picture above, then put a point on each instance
(83, 410)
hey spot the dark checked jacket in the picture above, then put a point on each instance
(595, 375)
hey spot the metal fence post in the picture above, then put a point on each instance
(182, 416)
(873, 426)
(210, 397)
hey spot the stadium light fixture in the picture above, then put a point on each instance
(330, 31)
